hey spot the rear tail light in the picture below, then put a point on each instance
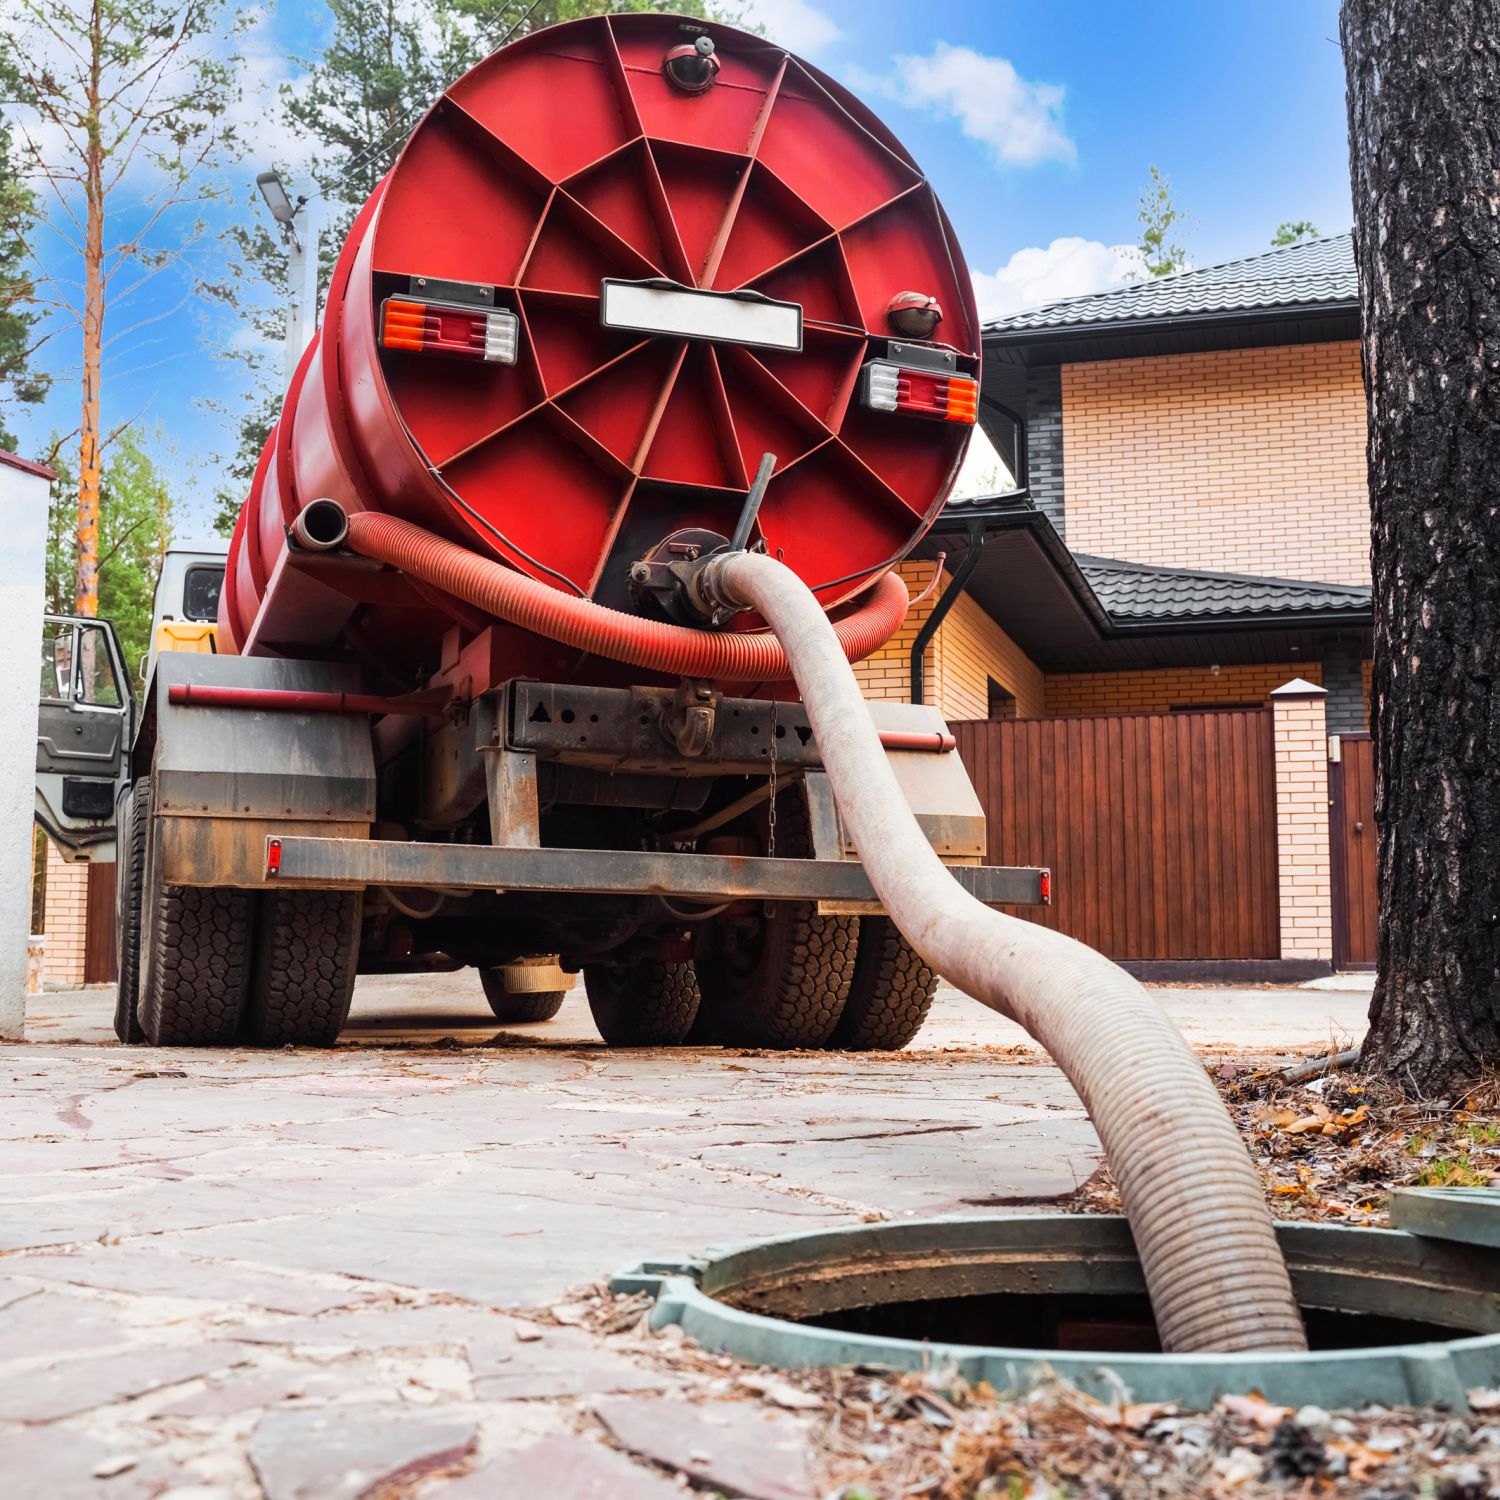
(921, 393)
(441, 328)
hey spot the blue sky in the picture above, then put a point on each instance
(1035, 122)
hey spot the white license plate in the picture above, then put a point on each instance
(681, 312)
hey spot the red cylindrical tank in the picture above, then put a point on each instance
(577, 179)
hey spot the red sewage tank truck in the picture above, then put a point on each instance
(636, 292)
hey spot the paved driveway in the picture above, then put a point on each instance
(318, 1274)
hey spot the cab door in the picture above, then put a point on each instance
(85, 720)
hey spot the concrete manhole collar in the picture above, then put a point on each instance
(1394, 1318)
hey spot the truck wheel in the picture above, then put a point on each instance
(890, 994)
(514, 1007)
(130, 875)
(649, 1004)
(194, 960)
(306, 955)
(781, 982)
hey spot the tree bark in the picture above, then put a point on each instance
(1424, 102)
(86, 565)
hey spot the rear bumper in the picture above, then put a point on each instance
(837, 885)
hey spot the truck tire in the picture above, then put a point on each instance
(785, 985)
(194, 960)
(306, 957)
(890, 994)
(130, 876)
(515, 1008)
(649, 1004)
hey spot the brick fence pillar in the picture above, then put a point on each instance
(1304, 865)
(66, 914)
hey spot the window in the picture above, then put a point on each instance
(97, 684)
(57, 662)
(1002, 702)
(200, 591)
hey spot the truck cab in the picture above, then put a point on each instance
(87, 713)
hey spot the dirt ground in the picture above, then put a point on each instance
(376, 1272)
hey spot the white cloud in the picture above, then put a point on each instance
(1020, 122)
(265, 135)
(793, 24)
(1069, 267)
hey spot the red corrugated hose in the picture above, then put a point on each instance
(654, 644)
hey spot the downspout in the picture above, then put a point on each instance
(946, 600)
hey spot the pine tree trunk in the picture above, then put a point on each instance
(86, 567)
(1424, 95)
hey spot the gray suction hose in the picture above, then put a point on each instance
(1216, 1277)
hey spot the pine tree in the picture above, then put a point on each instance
(1293, 232)
(20, 336)
(1158, 215)
(1423, 91)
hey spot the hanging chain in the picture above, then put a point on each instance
(771, 838)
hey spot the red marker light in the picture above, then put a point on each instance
(921, 393)
(441, 328)
(273, 857)
(1046, 884)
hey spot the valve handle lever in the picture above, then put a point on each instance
(757, 492)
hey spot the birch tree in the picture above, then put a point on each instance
(122, 123)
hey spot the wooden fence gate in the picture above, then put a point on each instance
(1159, 829)
(99, 926)
(1351, 797)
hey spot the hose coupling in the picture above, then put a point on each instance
(321, 526)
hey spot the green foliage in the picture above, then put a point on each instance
(1158, 216)
(1293, 232)
(19, 338)
(383, 64)
(1457, 1172)
(135, 530)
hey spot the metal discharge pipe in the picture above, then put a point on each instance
(1216, 1277)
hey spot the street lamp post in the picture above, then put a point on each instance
(299, 232)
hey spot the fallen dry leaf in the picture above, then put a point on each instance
(1255, 1409)
(780, 1393)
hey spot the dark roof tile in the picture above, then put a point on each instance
(1137, 593)
(1313, 273)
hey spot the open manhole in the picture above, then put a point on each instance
(1391, 1317)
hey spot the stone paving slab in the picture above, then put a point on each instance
(150, 1269)
(732, 1446)
(67, 1386)
(562, 1468)
(343, 1452)
(295, 1273)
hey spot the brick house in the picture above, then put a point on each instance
(1188, 531)
(1190, 466)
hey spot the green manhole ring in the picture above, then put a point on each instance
(1394, 1318)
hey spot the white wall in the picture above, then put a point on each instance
(23, 552)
